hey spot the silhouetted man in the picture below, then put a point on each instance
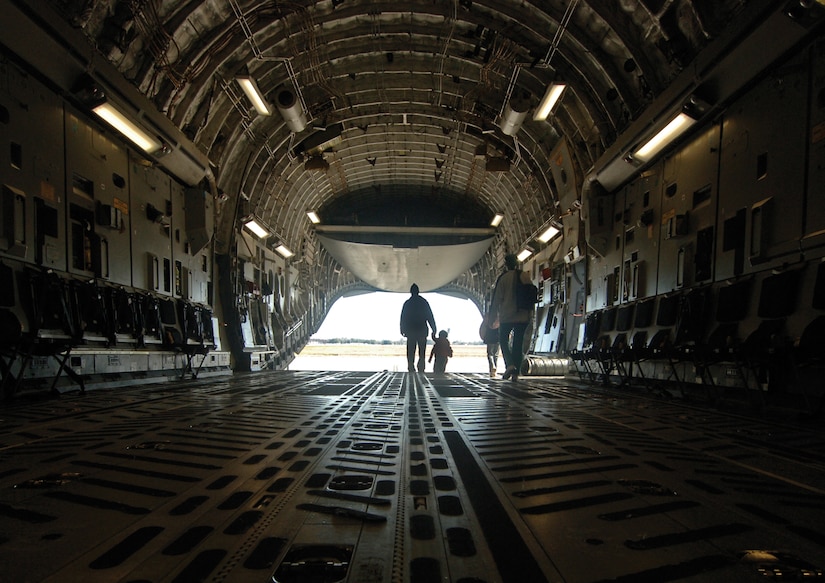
(415, 315)
(511, 317)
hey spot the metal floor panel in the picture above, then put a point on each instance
(397, 477)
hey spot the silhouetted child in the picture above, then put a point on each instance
(441, 352)
(489, 334)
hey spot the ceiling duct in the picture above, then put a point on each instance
(291, 111)
(515, 112)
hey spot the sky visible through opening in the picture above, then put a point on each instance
(376, 316)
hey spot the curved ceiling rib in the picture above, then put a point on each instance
(417, 88)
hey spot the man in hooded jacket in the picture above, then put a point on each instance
(513, 320)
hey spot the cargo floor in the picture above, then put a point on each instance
(393, 477)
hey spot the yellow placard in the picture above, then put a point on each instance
(121, 205)
(47, 191)
(818, 133)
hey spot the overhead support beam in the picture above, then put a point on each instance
(349, 229)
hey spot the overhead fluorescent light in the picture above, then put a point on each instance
(256, 228)
(548, 234)
(524, 254)
(313, 217)
(254, 94)
(548, 102)
(125, 126)
(497, 220)
(667, 134)
(284, 251)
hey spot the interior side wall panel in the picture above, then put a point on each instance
(641, 236)
(151, 228)
(181, 282)
(575, 295)
(277, 320)
(564, 175)
(190, 266)
(98, 202)
(688, 213)
(255, 317)
(552, 310)
(32, 200)
(762, 169)
(605, 272)
(199, 225)
(814, 241)
(597, 209)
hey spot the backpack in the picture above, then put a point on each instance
(527, 294)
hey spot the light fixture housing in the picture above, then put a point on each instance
(549, 233)
(548, 102)
(313, 217)
(250, 87)
(674, 128)
(256, 228)
(497, 164)
(284, 251)
(524, 254)
(115, 118)
(316, 162)
(497, 220)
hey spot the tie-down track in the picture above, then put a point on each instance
(396, 477)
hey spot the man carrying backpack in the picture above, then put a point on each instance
(513, 318)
